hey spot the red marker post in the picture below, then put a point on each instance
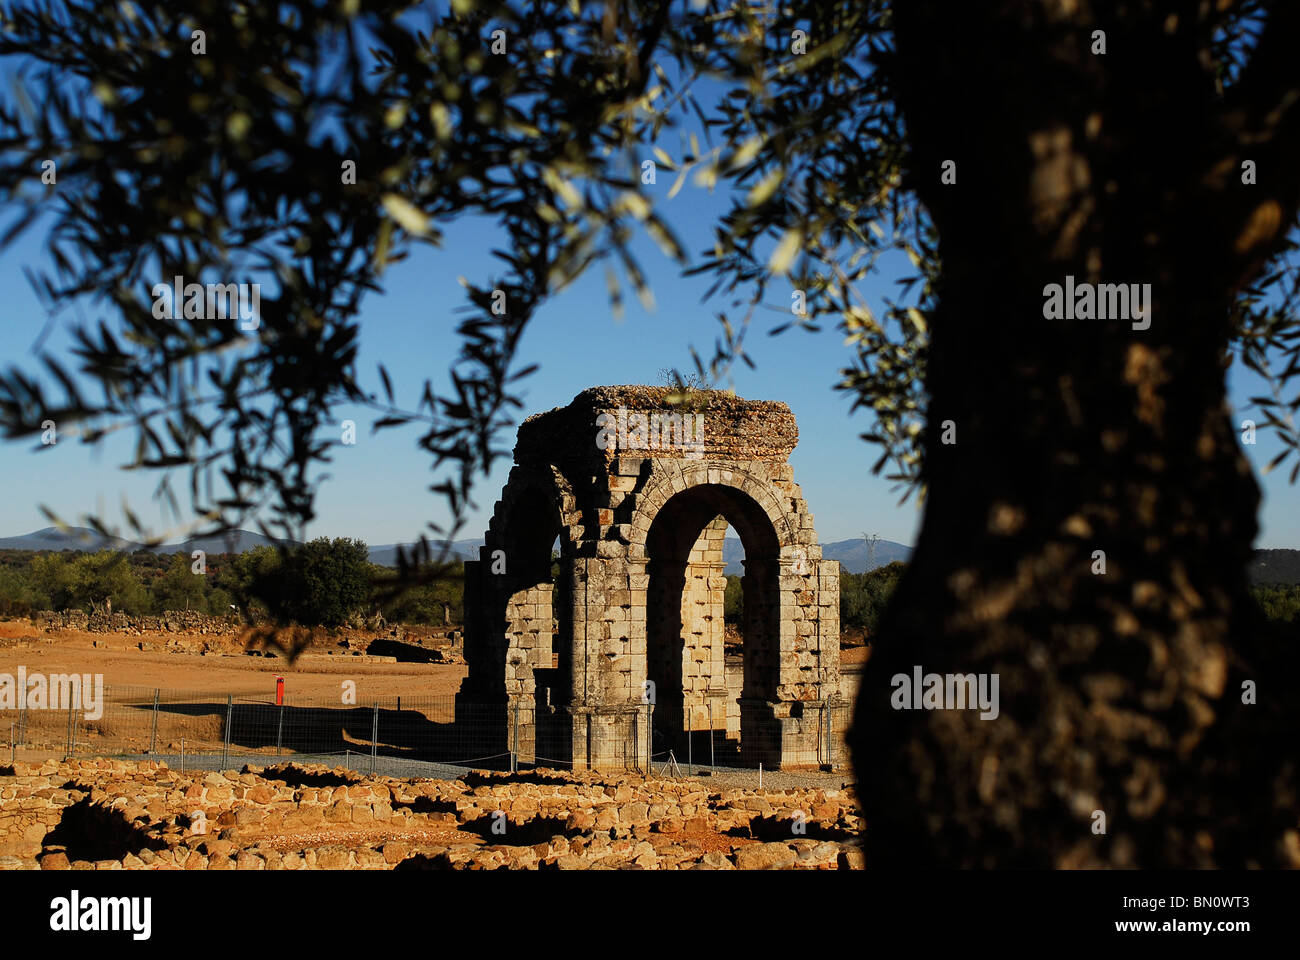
(279, 691)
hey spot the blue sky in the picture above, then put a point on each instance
(377, 489)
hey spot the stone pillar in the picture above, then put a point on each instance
(703, 631)
(785, 724)
(530, 621)
(735, 674)
(476, 654)
(828, 627)
(607, 685)
(482, 701)
(667, 617)
(766, 633)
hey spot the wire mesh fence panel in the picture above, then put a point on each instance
(423, 736)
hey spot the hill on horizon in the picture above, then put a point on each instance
(237, 541)
(1270, 566)
(1275, 567)
(852, 554)
(83, 538)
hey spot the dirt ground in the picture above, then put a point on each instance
(119, 659)
(854, 655)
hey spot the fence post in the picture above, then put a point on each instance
(182, 756)
(279, 732)
(636, 742)
(834, 753)
(13, 744)
(514, 738)
(830, 736)
(225, 746)
(22, 725)
(649, 738)
(690, 742)
(153, 734)
(712, 759)
(72, 730)
(374, 739)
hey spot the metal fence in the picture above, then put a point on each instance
(399, 736)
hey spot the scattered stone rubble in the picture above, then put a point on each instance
(111, 815)
(171, 621)
(192, 632)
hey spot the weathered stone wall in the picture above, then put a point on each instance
(703, 630)
(637, 606)
(112, 815)
(836, 751)
(734, 429)
(734, 674)
(171, 621)
(850, 680)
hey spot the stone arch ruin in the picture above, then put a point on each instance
(615, 648)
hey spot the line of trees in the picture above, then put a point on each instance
(863, 597)
(327, 582)
(324, 582)
(1279, 602)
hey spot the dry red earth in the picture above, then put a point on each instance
(118, 657)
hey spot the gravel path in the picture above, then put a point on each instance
(747, 779)
(720, 777)
(383, 766)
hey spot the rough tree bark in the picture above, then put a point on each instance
(1119, 692)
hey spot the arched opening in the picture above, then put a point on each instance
(522, 659)
(541, 611)
(697, 712)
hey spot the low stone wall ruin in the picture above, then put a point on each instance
(171, 621)
(112, 815)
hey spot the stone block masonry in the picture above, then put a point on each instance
(127, 815)
(613, 649)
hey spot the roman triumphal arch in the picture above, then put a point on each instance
(594, 627)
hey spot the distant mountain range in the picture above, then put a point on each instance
(386, 555)
(1275, 567)
(852, 554)
(82, 538)
(1267, 567)
(237, 541)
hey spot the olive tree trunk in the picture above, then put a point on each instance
(1089, 514)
